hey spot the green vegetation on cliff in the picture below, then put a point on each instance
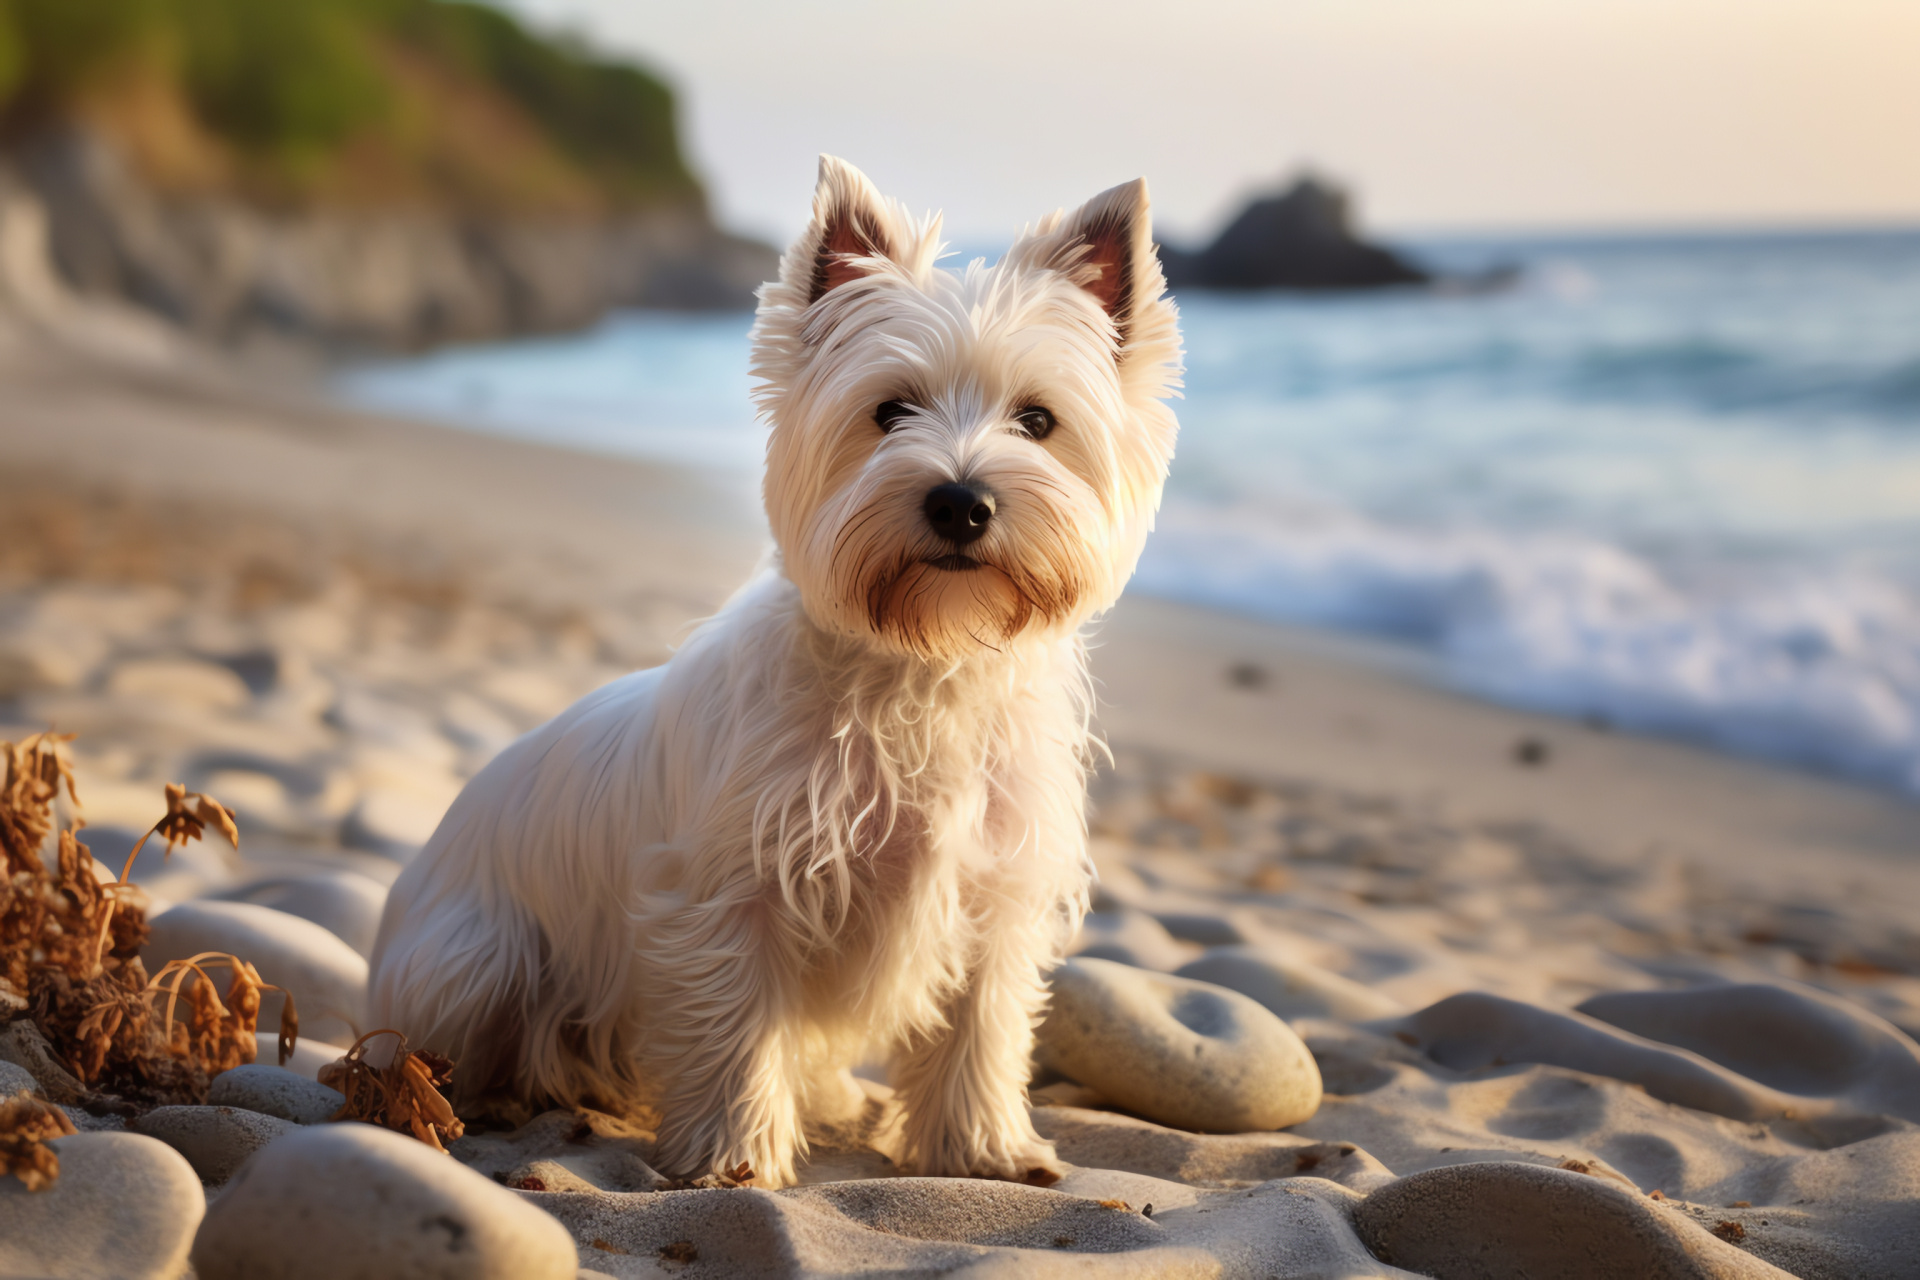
(432, 102)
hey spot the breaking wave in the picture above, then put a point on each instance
(1816, 670)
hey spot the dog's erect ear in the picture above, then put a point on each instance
(1106, 246)
(850, 221)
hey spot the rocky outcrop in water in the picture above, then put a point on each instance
(1302, 238)
(361, 280)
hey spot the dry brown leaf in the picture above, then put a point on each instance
(403, 1096)
(219, 1036)
(26, 1126)
(187, 816)
(70, 949)
(36, 771)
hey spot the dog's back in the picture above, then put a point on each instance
(537, 844)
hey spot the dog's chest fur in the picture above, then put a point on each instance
(881, 808)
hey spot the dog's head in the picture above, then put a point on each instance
(961, 459)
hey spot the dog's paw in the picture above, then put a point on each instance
(765, 1168)
(1043, 1175)
(739, 1175)
(765, 1165)
(1035, 1169)
(1033, 1163)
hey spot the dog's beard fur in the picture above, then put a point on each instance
(848, 815)
(941, 603)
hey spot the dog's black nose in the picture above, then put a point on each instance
(959, 512)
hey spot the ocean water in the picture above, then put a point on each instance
(1668, 484)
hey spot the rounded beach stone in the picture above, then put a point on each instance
(344, 1200)
(275, 1091)
(309, 1056)
(32, 661)
(124, 1206)
(476, 727)
(187, 682)
(1129, 937)
(85, 1121)
(187, 871)
(1205, 928)
(1503, 1219)
(344, 903)
(215, 1140)
(1183, 1053)
(327, 977)
(391, 823)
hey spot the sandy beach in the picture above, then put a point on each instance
(1583, 1003)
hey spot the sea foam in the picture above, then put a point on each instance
(1816, 670)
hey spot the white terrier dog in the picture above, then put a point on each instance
(848, 816)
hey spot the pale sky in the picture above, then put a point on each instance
(1441, 114)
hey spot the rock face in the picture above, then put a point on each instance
(352, 1200)
(1186, 1054)
(124, 1206)
(1300, 239)
(370, 280)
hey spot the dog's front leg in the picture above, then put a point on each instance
(722, 1050)
(965, 1085)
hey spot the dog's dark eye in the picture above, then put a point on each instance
(1034, 422)
(891, 414)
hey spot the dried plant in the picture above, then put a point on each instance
(403, 1096)
(70, 950)
(219, 1036)
(36, 770)
(186, 818)
(26, 1126)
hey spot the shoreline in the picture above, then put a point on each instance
(1661, 987)
(548, 524)
(1784, 655)
(1357, 714)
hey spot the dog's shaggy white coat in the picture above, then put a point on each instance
(848, 816)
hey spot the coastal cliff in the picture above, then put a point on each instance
(369, 279)
(356, 175)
